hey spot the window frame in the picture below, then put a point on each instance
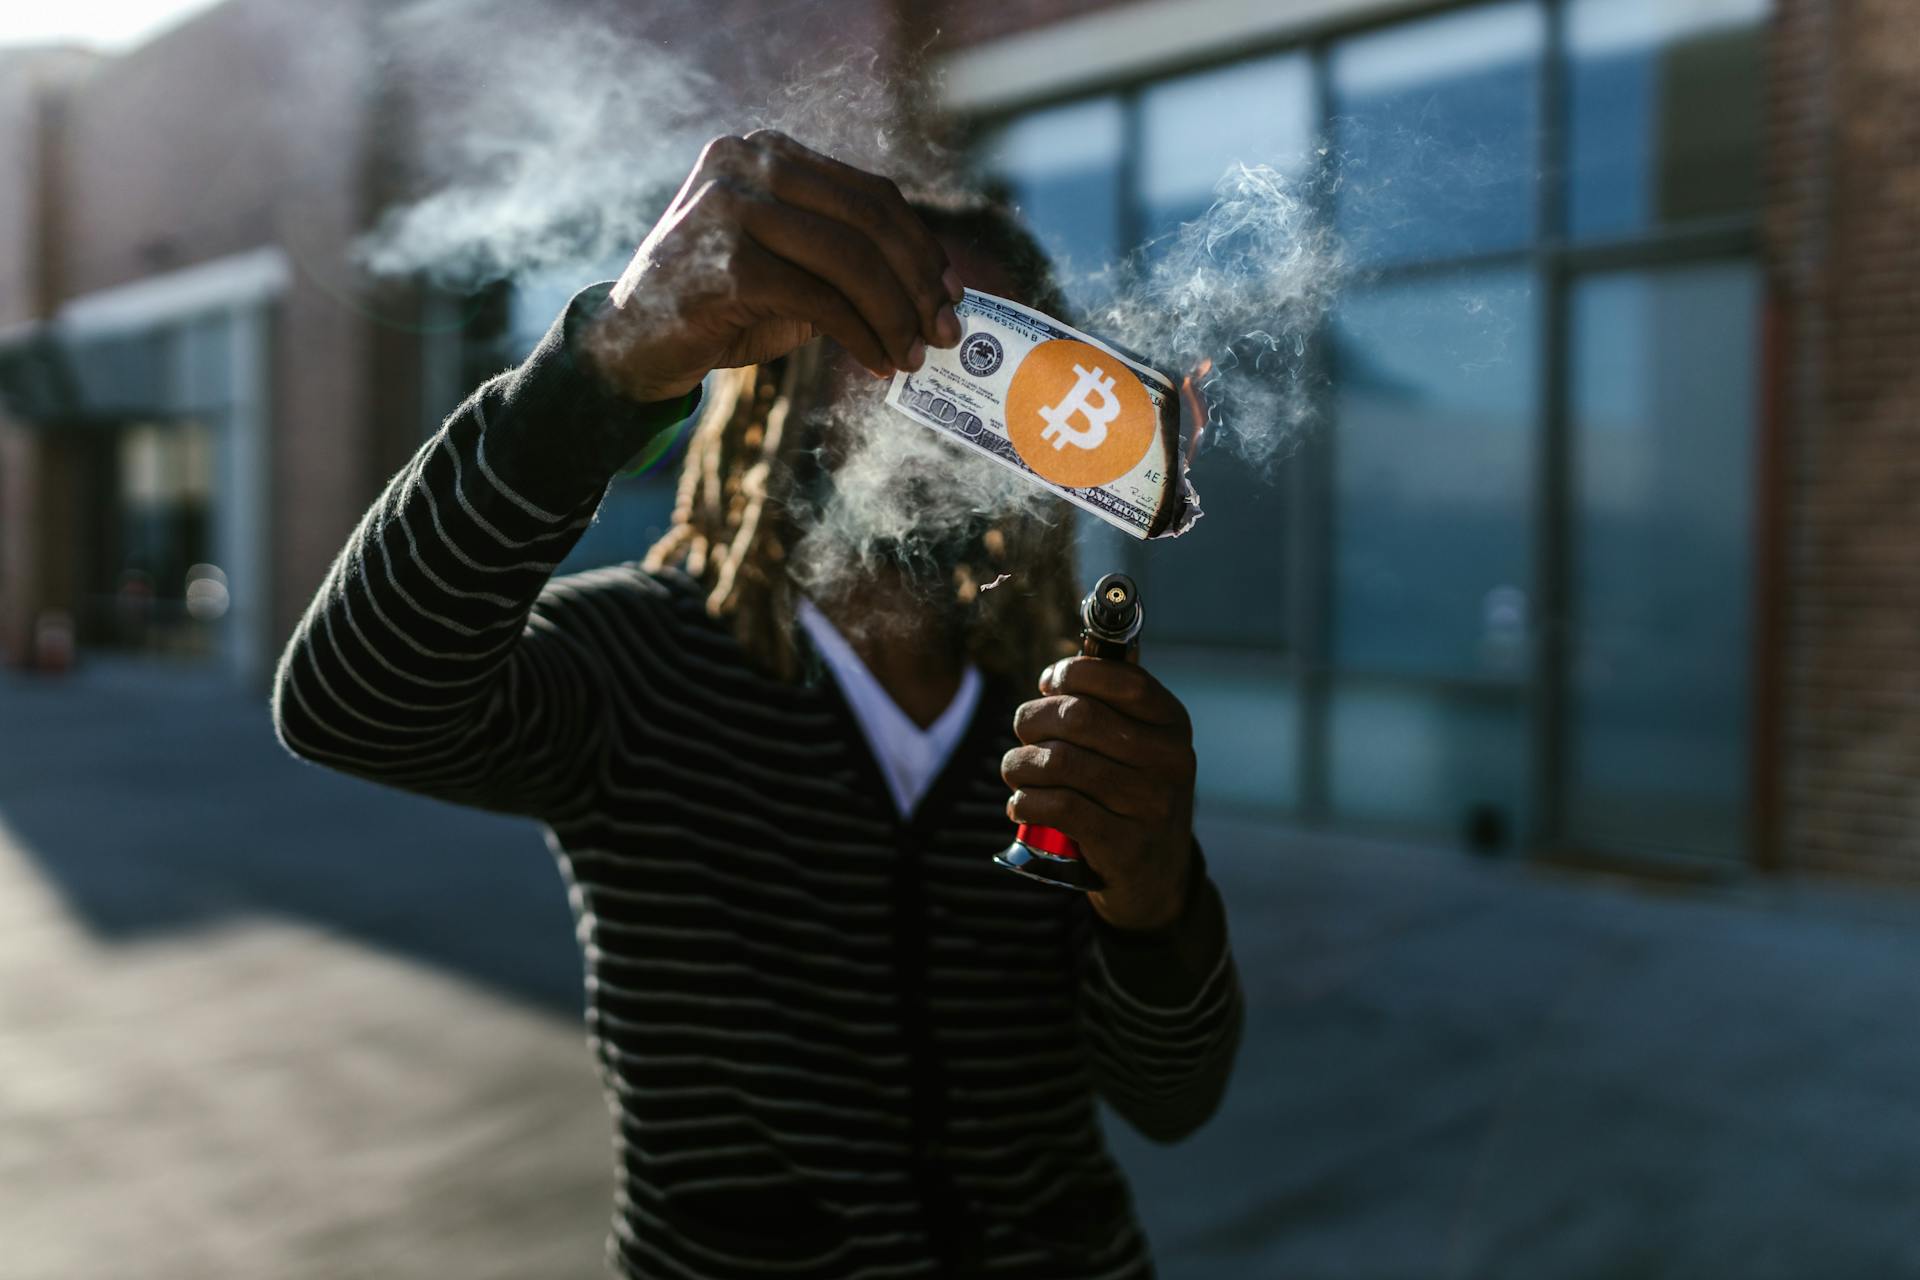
(1555, 261)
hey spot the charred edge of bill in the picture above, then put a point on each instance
(1172, 487)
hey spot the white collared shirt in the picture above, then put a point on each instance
(910, 757)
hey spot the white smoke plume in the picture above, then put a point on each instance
(549, 135)
(901, 496)
(561, 150)
(548, 151)
(1239, 292)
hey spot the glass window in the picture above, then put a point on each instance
(1437, 127)
(159, 539)
(633, 515)
(1062, 167)
(203, 374)
(1663, 373)
(1246, 721)
(1447, 759)
(1436, 417)
(1226, 579)
(1192, 128)
(1434, 476)
(1663, 112)
(124, 375)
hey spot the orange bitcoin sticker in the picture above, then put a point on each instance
(1078, 416)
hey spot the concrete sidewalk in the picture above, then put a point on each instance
(260, 1021)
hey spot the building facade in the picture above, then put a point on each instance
(1596, 544)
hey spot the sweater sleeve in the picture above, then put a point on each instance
(1161, 1014)
(435, 657)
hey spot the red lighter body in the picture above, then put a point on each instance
(1110, 619)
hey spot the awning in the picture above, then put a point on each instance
(49, 379)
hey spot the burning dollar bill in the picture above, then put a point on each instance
(1066, 410)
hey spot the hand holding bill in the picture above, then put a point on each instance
(767, 245)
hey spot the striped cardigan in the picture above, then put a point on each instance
(836, 1043)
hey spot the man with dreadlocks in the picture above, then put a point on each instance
(838, 1041)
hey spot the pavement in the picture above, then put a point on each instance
(260, 1021)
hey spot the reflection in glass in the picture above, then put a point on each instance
(1193, 127)
(1225, 581)
(1062, 167)
(202, 369)
(1246, 720)
(1449, 760)
(1663, 112)
(1663, 411)
(1434, 449)
(1437, 128)
(141, 567)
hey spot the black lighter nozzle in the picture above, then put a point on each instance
(1112, 609)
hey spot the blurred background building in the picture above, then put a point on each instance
(1601, 549)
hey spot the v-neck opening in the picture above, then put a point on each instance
(938, 796)
(909, 758)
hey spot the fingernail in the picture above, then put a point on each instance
(916, 355)
(951, 279)
(946, 326)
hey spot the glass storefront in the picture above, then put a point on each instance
(1437, 125)
(1432, 546)
(154, 536)
(1662, 113)
(1502, 594)
(1662, 403)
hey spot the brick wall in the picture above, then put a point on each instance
(1844, 248)
(19, 194)
(28, 568)
(19, 117)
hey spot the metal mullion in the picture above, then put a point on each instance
(1666, 246)
(1552, 519)
(1425, 268)
(1308, 38)
(1487, 687)
(1312, 523)
(1132, 219)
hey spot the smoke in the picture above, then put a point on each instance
(546, 152)
(551, 135)
(1245, 285)
(901, 500)
(561, 146)
(1234, 298)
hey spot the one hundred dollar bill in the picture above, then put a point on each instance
(1066, 410)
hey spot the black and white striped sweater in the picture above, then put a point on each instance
(837, 1043)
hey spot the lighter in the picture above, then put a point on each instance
(1109, 628)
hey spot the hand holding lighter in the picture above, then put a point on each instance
(1110, 618)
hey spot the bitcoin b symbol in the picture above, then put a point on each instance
(1060, 429)
(1067, 392)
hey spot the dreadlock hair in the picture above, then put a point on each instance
(736, 517)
